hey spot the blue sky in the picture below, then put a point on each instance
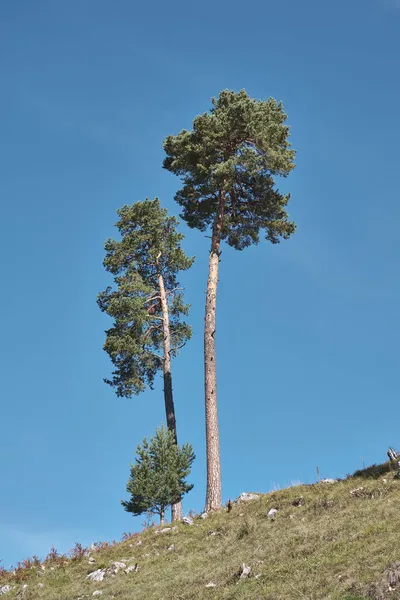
(307, 330)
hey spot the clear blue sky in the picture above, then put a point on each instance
(307, 330)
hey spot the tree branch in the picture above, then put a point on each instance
(151, 328)
(155, 355)
(175, 290)
(177, 347)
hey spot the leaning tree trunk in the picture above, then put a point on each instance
(168, 395)
(214, 493)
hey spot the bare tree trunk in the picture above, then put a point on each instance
(214, 492)
(162, 513)
(176, 509)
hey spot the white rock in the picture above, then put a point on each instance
(165, 530)
(96, 575)
(246, 496)
(91, 560)
(24, 586)
(116, 566)
(357, 491)
(328, 480)
(211, 585)
(187, 520)
(97, 593)
(40, 585)
(244, 571)
(131, 569)
(5, 589)
(204, 515)
(171, 547)
(272, 512)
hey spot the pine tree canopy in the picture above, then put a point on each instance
(158, 476)
(150, 246)
(237, 149)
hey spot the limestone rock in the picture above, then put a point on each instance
(246, 497)
(187, 520)
(244, 571)
(357, 492)
(165, 530)
(131, 569)
(116, 566)
(4, 589)
(96, 575)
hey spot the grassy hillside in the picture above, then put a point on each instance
(334, 545)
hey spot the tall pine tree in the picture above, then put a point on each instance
(146, 303)
(228, 163)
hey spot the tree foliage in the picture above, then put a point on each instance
(150, 245)
(158, 476)
(228, 164)
(237, 148)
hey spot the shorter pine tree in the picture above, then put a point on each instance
(158, 476)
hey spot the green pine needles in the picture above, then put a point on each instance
(228, 164)
(150, 247)
(158, 477)
(236, 149)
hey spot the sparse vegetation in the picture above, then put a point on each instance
(334, 546)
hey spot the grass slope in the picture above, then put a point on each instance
(336, 545)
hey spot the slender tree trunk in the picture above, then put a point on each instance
(214, 492)
(176, 509)
(162, 514)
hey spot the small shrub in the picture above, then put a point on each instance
(127, 535)
(3, 572)
(100, 546)
(54, 558)
(77, 552)
(148, 523)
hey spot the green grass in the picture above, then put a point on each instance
(335, 546)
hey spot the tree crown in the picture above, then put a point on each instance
(150, 246)
(234, 150)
